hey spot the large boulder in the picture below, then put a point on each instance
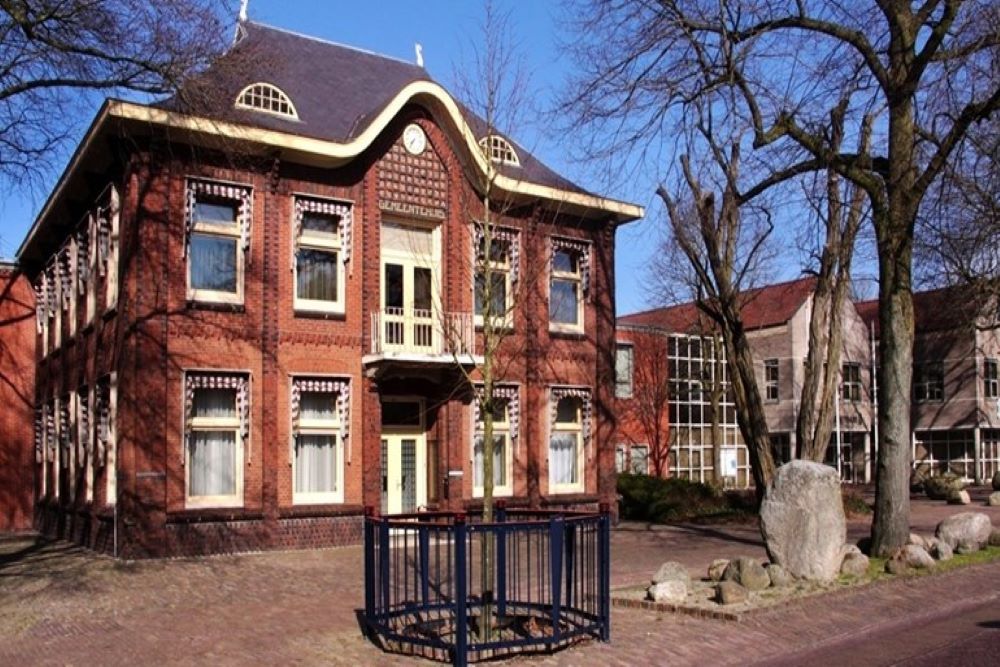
(941, 487)
(965, 532)
(940, 550)
(779, 578)
(802, 520)
(916, 557)
(749, 573)
(996, 481)
(672, 571)
(673, 590)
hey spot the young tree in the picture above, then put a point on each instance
(925, 72)
(649, 405)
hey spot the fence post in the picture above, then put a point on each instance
(423, 536)
(604, 558)
(556, 528)
(461, 579)
(501, 535)
(570, 533)
(369, 566)
(383, 565)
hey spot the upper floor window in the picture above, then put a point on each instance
(322, 239)
(624, 357)
(216, 426)
(218, 228)
(320, 413)
(504, 409)
(991, 378)
(497, 252)
(850, 382)
(267, 98)
(568, 284)
(498, 149)
(928, 382)
(771, 379)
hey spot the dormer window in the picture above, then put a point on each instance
(498, 149)
(267, 98)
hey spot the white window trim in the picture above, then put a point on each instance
(331, 427)
(205, 424)
(619, 347)
(230, 232)
(506, 319)
(631, 463)
(577, 429)
(769, 383)
(111, 277)
(323, 242)
(991, 385)
(576, 277)
(499, 428)
(278, 93)
(854, 385)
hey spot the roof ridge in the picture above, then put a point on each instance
(330, 42)
(694, 302)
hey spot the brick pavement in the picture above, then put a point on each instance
(60, 605)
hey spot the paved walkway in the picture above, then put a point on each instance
(60, 605)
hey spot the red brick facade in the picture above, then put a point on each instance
(17, 379)
(145, 344)
(643, 409)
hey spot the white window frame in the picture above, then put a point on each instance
(575, 277)
(321, 242)
(631, 460)
(497, 149)
(269, 99)
(230, 232)
(621, 459)
(92, 241)
(575, 429)
(620, 390)
(502, 429)
(111, 276)
(225, 424)
(329, 427)
(503, 266)
(991, 378)
(769, 383)
(922, 386)
(850, 390)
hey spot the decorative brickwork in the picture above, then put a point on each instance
(413, 185)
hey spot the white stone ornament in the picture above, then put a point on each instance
(414, 139)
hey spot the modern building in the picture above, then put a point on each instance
(955, 415)
(258, 311)
(17, 386)
(705, 443)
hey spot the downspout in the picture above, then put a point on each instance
(874, 413)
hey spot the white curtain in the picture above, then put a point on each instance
(562, 458)
(315, 463)
(214, 404)
(213, 463)
(499, 461)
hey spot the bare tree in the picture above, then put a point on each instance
(926, 72)
(649, 404)
(54, 54)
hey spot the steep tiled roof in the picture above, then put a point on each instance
(933, 310)
(337, 91)
(763, 307)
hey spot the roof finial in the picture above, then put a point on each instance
(420, 54)
(243, 9)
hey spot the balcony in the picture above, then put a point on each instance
(419, 337)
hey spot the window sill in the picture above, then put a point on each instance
(217, 306)
(566, 332)
(308, 313)
(506, 492)
(566, 490)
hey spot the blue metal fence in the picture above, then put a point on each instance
(428, 592)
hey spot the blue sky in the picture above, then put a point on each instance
(445, 29)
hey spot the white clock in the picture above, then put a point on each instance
(414, 139)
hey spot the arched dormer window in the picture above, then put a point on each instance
(498, 149)
(267, 98)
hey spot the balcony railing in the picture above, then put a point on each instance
(422, 332)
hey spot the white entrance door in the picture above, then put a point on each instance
(404, 456)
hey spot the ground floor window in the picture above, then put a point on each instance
(215, 429)
(319, 416)
(505, 410)
(569, 431)
(938, 452)
(639, 459)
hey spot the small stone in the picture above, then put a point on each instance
(854, 565)
(917, 540)
(940, 550)
(717, 569)
(996, 481)
(960, 497)
(747, 572)
(779, 577)
(667, 591)
(672, 571)
(730, 592)
(896, 566)
(916, 557)
(968, 529)
(994, 499)
(995, 538)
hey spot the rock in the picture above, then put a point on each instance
(747, 572)
(717, 568)
(916, 557)
(673, 590)
(854, 565)
(917, 540)
(969, 530)
(848, 549)
(672, 571)
(996, 481)
(960, 497)
(779, 577)
(896, 566)
(802, 520)
(939, 550)
(963, 549)
(865, 545)
(995, 538)
(994, 499)
(941, 486)
(730, 592)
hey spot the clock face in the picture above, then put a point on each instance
(414, 139)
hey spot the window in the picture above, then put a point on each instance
(991, 379)
(496, 272)
(624, 356)
(639, 459)
(216, 427)
(498, 149)
(928, 382)
(105, 411)
(108, 231)
(267, 98)
(570, 426)
(502, 483)
(850, 382)
(319, 413)
(771, 379)
(218, 236)
(320, 253)
(620, 458)
(566, 287)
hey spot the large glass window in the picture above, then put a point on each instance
(501, 451)
(566, 446)
(215, 262)
(318, 265)
(565, 291)
(624, 357)
(317, 452)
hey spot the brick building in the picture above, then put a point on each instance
(258, 311)
(17, 382)
(705, 443)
